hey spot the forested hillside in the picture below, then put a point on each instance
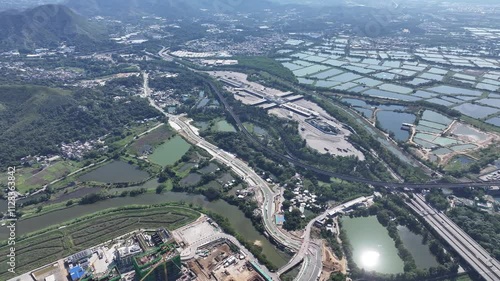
(36, 120)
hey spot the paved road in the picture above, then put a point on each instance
(190, 133)
(475, 255)
(313, 263)
(308, 246)
(297, 162)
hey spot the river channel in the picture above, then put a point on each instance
(237, 219)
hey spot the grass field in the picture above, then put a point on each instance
(36, 177)
(133, 131)
(42, 248)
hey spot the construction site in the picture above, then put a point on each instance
(198, 251)
(210, 254)
(217, 261)
(143, 255)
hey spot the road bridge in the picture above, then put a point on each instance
(305, 249)
(471, 252)
(307, 245)
(297, 162)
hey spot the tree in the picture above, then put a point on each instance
(383, 217)
(286, 205)
(292, 220)
(212, 194)
(288, 194)
(337, 276)
(437, 199)
(69, 203)
(160, 188)
(475, 168)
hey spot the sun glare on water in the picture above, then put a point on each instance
(370, 258)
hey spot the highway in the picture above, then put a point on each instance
(313, 262)
(475, 255)
(310, 247)
(190, 133)
(303, 247)
(297, 162)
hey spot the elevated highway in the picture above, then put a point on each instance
(471, 252)
(309, 247)
(297, 162)
(305, 250)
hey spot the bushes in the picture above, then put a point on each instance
(212, 194)
(137, 192)
(92, 198)
(482, 227)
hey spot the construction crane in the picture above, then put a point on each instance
(153, 269)
(163, 260)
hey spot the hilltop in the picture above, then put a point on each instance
(46, 26)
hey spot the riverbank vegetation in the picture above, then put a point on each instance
(391, 213)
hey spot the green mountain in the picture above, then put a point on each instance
(45, 26)
(35, 120)
(164, 8)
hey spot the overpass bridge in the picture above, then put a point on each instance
(310, 248)
(297, 162)
(306, 251)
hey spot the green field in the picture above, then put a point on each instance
(44, 247)
(224, 126)
(37, 177)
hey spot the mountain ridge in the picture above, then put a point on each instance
(45, 26)
(164, 8)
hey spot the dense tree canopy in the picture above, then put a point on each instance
(36, 120)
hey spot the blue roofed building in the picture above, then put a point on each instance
(76, 273)
(280, 219)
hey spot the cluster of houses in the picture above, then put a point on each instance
(244, 192)
(44, 160)
(78, 149)
(303, 198)
(165, 99)
(42, 52)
